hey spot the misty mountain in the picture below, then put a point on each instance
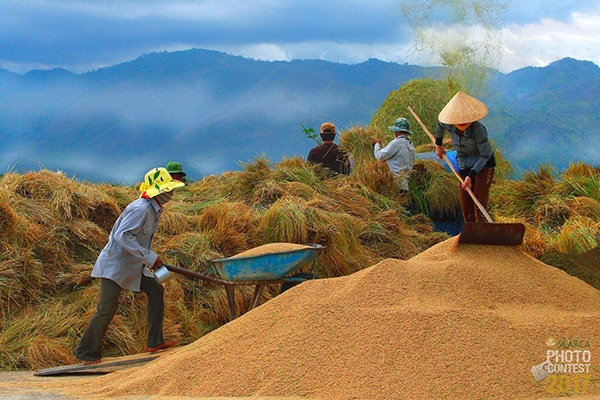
(211, 111)
(548, 115)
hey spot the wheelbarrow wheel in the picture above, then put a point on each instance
(303, 275)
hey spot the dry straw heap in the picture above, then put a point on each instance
(457, 322)
(52, 229)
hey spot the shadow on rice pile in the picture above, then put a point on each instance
(452, 322)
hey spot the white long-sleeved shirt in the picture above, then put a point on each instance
(400, 157)
(128, 249)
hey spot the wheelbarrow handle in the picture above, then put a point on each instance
(225, 282)
(468, 189)
(193, 274)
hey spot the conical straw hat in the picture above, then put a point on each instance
(462, 109)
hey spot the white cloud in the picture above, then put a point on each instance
(533, 44)
(347, 53)
(338, 30)
(260, 51)
(549, 40)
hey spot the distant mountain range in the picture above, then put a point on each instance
(547, 115)
(211, 111)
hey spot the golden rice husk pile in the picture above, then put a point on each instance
(455, 321)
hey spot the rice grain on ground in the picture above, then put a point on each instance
(454, 322)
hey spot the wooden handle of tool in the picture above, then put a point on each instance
(481, 207)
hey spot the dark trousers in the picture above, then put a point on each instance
(481, 189)
(89, 347)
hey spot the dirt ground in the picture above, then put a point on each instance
(23, 385)
(26, 386)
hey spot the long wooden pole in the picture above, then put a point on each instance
(481, 207)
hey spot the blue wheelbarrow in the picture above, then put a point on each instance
(259, 271)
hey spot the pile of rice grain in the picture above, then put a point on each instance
(270, 248)
(454, 322)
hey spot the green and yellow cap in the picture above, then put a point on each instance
(157, 181)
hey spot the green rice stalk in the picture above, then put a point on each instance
(358, 142)
(121, 195)
(426, 97)
(229, 186)
(580, 180)
(347, 198)
(379, 201)
(578, 235)
(255, 173)
(377, 176)
(270, 191)
(585, 207)
(542, 180)
(551, 211)
(507, 200)
(520, 198)
(443, 195)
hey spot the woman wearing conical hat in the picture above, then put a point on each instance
(474, 154)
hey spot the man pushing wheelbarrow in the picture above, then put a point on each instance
(124, 263)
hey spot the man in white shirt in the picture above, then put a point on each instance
(125, 263)
(399, 153)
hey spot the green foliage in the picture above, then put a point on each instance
(580, 180)
(522, 198)
(311, 134)
(426, 97)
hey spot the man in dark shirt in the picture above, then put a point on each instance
(329, 154)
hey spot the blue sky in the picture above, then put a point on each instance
(82, 35)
